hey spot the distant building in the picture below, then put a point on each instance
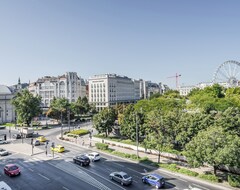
(19, 86)
(148, 88)
(68, 86)
(7, 111)
(110, 89)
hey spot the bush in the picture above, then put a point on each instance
(101, 146)
(80, 132)
(209, 177)
(188, 172)
(171, 167)
(234, 180)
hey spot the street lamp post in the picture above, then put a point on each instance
(137, 136)
(68, 120)
(61, 126)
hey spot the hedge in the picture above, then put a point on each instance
(101, 146)
(188, 172)
(209, 177)
(234, 180)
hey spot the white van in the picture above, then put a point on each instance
(4, 186)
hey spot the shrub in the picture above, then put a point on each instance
(234, 180)
(171, 167)
(209, 177)
(80, 132)
(188, 172)
(101, 146)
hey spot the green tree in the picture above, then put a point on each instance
(27, 106)
(158, 135)
(59, 108)
(81, 106)
(104, 121)
(211, 147)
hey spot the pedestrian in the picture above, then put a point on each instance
(83, 142)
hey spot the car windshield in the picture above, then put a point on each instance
(96, 154)
(126, 176)
(13, 168)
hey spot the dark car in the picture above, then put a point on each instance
(121, 177)
(17, 136)
(12, 170)
(81, 160)
(154, 180)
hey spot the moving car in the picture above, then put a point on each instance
(3, 152)
(58, 148)
(37, 143)
(154, 180)
(41, 139)
(83, 160)
(121, 177)
(12, 170)
(17, 136)
(3, 141)
(4, 186)
(93, 156)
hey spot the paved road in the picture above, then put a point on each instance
(41, 172)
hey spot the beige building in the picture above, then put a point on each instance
(7, 112)
(110, 89)
(69, 86)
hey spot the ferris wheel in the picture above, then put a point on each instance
(227, 73)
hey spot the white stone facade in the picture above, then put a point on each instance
(68, 86)
(7, 111)
(110, 89)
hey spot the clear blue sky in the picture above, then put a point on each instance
(150, 39)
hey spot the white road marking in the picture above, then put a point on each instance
(182, 180)
(200, 186)
(30, 169)
(119, 165)
(135, 181)
(43, 176)
(145, 170)
(65, 188)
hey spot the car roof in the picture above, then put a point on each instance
(10, 165)
(122, 173)
(157, 176)
(94, 153)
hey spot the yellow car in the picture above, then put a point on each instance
(42, 139)
(58, 148)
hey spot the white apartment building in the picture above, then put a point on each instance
(110, 89)
(7, 111)
(68, 86)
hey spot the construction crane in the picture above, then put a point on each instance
(176, 76)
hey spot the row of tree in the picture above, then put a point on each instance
(205, 126)
(28, 106)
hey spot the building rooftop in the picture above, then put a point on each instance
(5, 90)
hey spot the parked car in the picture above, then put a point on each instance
(3, 152)
(37, 143)
(93, 156)
(154, 180)
(58, 148)
(3, 141)
(42, 139)
(17, 136)
(12, 170)
(121, 177)
(82, 160)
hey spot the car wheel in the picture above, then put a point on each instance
(81, 164)
(19, 173)
(122, 183)
(111, 177)
(143, 181)
(74, 161)
(157, 187)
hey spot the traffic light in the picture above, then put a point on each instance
(53, 145)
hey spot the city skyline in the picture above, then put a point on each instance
(138, 39)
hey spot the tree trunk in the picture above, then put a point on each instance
(215, 170)
(159, 155)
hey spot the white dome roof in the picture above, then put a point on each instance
(5, 90)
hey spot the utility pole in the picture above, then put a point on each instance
(137, 136)
(61, 126)
(69, 119)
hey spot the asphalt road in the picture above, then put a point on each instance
(62, 173)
